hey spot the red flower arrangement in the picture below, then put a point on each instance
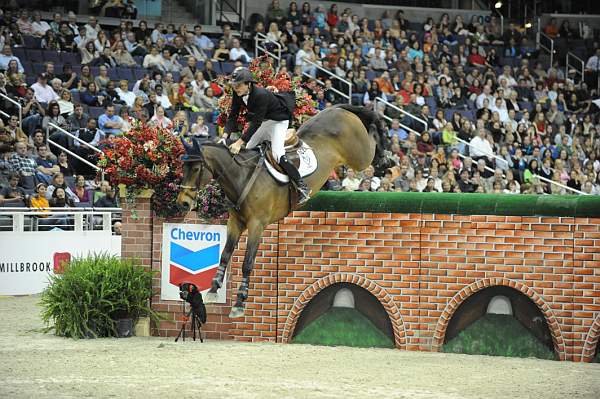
(265, 76)
(146, 157)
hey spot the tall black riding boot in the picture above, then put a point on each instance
(294, 176)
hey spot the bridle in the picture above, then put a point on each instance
(202, 166)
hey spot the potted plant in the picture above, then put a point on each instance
(96, 295)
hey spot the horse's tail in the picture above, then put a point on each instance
(373, 123)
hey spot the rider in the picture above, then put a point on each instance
(269, 115)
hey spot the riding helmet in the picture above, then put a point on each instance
(242, 75)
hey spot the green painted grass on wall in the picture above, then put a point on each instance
(498, 335)
(343, 327)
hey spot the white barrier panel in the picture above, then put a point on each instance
(191, 254)
(28, 259)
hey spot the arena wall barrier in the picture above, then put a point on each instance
(420, 254)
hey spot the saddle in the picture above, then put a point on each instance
(292, 144)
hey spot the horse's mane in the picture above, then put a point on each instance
(243, 155)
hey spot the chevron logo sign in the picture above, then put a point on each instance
(191, 254)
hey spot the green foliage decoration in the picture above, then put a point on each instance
(93, 292)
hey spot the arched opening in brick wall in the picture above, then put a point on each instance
(364, 302)
(529, 308)
(364, 288)
(523, 310)
(591, 349)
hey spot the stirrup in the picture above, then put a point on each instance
(304, 193)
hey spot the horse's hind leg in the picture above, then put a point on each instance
(234, 231)
(254, 235)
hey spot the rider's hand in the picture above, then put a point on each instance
(235, 147)
(223, 139)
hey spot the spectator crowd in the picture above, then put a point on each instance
(470, 108)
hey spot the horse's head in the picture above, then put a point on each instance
(195, 175)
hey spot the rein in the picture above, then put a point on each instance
(247, 186)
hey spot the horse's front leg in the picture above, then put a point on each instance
(254, 236)
(234, 231)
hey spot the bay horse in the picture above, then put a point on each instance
(340, 135)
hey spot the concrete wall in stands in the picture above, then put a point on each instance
(420, 266)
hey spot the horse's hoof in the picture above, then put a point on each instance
(236, 312)
(210, 297)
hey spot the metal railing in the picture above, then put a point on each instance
(501, 19)
(19, 106)
(466, 143)
(223, 14)
(332, 75)
(71, 153)
(549, 47)
(579, 69)
(260, 42)
(381, 100)
(19, 219)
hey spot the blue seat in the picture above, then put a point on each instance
(227, 67)
(71, 58)
(95, 112)
(95, 71)
(125, 73)
(35, 55)
(52, 56)
(217, 68)
(212, 130)
(31, 42)
(28, 67)
(370, 74)
(112, 73)
(20, 53)
(38, 68)
(138, 73)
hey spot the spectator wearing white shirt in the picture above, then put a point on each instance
(42, 91)
(238, 53)
(92, 28)
(162, 98)
(159, 119)
(486, 93)
(154, 59)
(500, 107)
(38, 26)
(199, 83)
(125, 94)
(507, 74)
(479, 146)
(7, 56)
(592, 68)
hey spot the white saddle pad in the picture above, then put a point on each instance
(308, 164)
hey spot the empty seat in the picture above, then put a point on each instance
(31, 42)
(227, 67)
(112, 74)
(38, 68)
(95, 112)
(52, 56)
(35, 55)
(71, 58)
(125, 73)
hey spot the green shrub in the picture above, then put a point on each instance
(343, 327)
(93, 292)
(498, 335)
